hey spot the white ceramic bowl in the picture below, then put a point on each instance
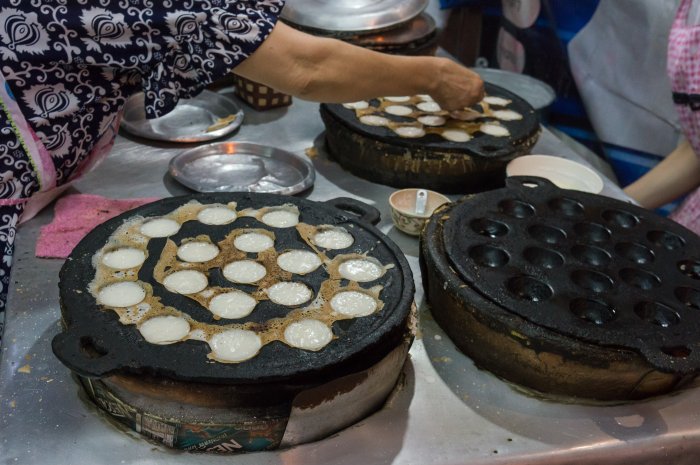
(403, 209)
(564, 173)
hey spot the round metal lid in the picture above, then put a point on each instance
(95, 343)
(207, 116)
(242, 167)
(585, 266)
(351, 15)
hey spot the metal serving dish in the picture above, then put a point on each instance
(242, 167)
(207, 116)
(351, 15)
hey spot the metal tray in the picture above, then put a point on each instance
(351, 15)
(242, 167)
(207, 116)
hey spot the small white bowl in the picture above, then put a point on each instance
(403, 209)
(565, 174)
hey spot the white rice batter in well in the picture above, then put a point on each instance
(197, 252)
(244, 271)
(124, 258)
(216, 216)
(160, 227)
(253, 242)
(333, 239)
(289, 294)
(281, 218)
(235, 345)
(120, 295)
(308, 334)
(166, 329)
(234, 304)
(360, 270)
(299, 261)
(186, 282)
(353, 303)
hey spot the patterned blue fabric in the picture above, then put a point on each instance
(71, 64)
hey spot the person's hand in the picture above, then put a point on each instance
(455, 86)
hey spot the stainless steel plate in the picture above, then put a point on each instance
(351, 15)
(242, 167)
(205, 117)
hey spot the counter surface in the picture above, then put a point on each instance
(446, 412)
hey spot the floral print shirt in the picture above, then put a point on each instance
(68, 66)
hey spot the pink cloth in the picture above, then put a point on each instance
(683, 68)
(75, 216)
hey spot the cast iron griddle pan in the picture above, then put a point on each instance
(95, 344)
(586, 266)
(482, 145)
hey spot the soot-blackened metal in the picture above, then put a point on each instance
(586, 266)
(96, 344)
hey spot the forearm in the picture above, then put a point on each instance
(675, 176)
(329, 70)
(344, 73)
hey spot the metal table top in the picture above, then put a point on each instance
(447, 411)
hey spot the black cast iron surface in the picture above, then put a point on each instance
(586, 266)
(118, 348)
(481, 145)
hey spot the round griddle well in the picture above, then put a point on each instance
(585, 266)
(95, 344)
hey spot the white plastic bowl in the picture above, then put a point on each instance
(563, 173)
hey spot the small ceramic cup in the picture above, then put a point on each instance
(403, 209)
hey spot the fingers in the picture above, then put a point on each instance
(458, 87)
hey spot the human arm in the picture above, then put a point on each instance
(675, 176)
(332, 71)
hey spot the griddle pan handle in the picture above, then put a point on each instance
(529, 182)
(84, 356)
(367, 213)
